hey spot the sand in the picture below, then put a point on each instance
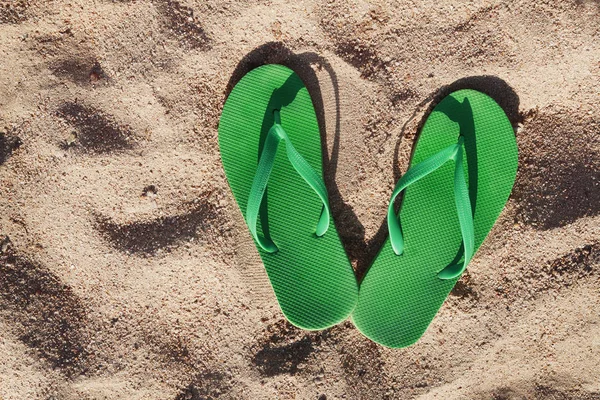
(126, 270)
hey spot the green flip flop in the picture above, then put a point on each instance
(281, 194)
(447, 210)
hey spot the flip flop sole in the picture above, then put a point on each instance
(312, 278)
(400, 295)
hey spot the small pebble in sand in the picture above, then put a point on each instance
(150, 191)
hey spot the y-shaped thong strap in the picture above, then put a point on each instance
(265, 165)
(461, 198)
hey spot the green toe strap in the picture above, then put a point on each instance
(461, 199)
(261, 178)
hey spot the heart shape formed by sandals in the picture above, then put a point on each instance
(447, 211)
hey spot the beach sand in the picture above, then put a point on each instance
(127, 271)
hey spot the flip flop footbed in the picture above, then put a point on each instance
(312, 278)
(401, 294)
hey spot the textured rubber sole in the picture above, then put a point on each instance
(312, 277)
(400, 295)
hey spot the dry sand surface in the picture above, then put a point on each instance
(126, 269)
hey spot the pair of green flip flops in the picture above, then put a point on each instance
(461, 174)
